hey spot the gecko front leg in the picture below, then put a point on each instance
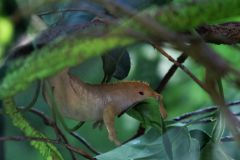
(108, 118)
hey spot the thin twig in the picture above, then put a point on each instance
(202, 121)
(35, 97)
(56, 112)
(83, 141)
(70, 147)
(50, 122)
(170, 73)
(187, 71)
(227, 139)
(197, 49)
(203, 111)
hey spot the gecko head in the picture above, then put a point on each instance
(140, 91)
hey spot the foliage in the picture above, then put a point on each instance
(47, 150)
(6, 29)
(106, 34)
(182, 15)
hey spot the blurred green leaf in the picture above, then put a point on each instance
(187, 14)
(47, 150)
(230, 53)
(54, 34)
(144, 61)
(6, 31)
(147, 112)
(116, 63)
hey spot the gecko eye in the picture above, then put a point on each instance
(141, 93)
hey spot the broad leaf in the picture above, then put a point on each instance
(147, 112)
(183, 146)
(116, 63)
(150, 146)
(213, 151)
(202, 137)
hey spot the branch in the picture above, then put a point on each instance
(227, 139)
(197, 49)
(203, 111)
(176, 63)
(48, 121)
(51, 123)
(192, 46)
(170, 73)
(46, 140)
(46, 150)
(35, 97)
(84, 142)
(226, 33)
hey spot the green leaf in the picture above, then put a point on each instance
(181, 143)
(116, 63)
(202, 137)
(147, 112)
(213, 151)
(150, 147)
(6, 29)
(167, 146)
(183, 146)
(228, 52)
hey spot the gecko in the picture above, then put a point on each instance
(97, 102)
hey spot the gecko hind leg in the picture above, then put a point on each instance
(108, 119)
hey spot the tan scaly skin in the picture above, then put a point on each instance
(86, 102)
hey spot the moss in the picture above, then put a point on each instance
(47, 150)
